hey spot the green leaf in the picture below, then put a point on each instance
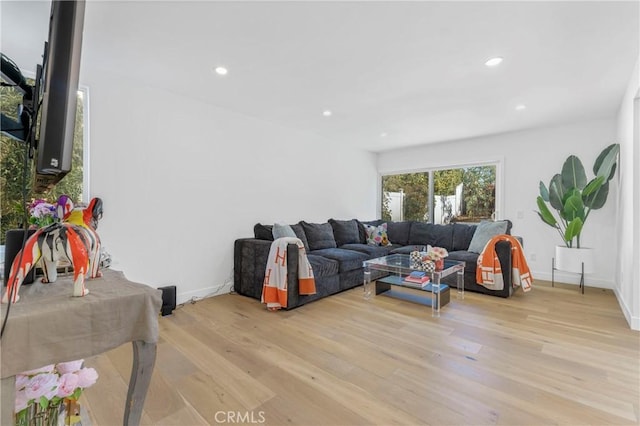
(573, 229)
(593, 186)
(544, 192)
(545, 213)
(605, 164)
(573, 175)
(556, 192)
(574, 208)
(44, 402)
(76, 394)
(598, 198)
(573, 192)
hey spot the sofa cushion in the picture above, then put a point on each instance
(281, 230)
(462, 235)
(299, 231)
(377, 235)
(422, 234)
(319, 235)
(323, 266)
(405, 249)
(398, 232)
(345, 231)
(348, 260)
(371, 251)
(265, 232)
(484, 232)
(466, 256)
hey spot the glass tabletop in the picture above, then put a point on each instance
(401, 264)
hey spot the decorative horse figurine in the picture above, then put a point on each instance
(74, 239)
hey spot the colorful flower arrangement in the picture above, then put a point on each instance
(44, 389)
(42, 213)
(436, 253)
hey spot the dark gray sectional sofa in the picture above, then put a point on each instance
(337, 248)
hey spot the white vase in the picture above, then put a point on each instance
(572, 259)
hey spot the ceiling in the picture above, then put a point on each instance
(394, 74)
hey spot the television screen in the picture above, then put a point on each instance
(61, 70)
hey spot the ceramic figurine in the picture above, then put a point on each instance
(74, 239)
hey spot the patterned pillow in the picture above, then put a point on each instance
(377, 235)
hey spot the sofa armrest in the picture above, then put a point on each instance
(249, 265)
(293, 290)
(249, 262)
(503, 250)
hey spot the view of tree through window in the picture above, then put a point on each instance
(12, 160)
(404, 197)
(466, 194)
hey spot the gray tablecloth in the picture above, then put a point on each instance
(48, 325)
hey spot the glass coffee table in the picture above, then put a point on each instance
(395, 267)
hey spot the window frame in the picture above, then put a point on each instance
(499, 190)
(85, 143)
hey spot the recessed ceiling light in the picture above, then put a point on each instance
(327, 113)
(520, 107)
(221, 70)
(493, 61)
(383, 135)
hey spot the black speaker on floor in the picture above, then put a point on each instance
(168, 299)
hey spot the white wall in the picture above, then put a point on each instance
(181, 180)
(528, 157)
(628, 265)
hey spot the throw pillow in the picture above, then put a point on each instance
(319, 235)
(263, 232)
(363, 232)
(484, 232)
(345, 231)
(282, 230)
(462, 235)
(299, 231)
(377, 235)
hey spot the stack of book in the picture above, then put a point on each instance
(418, 279)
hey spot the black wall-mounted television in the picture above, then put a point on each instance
(60, 77)
(52, 100)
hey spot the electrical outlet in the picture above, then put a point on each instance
(520, 214)
(532, 257)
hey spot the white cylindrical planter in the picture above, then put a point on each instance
(572, 259)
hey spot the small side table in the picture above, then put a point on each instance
(48, 326)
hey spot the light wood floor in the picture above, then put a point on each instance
(551, 356)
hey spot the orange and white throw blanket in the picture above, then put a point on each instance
(489, 271)
(274, 288)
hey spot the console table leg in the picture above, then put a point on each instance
(144, 358)
(7, 400)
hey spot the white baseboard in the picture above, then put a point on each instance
(205, 292)
(634, 322)
(571, 278)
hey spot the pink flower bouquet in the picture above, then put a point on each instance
(436, 253)
(46, 387)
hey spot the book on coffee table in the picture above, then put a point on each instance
(418, 279)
